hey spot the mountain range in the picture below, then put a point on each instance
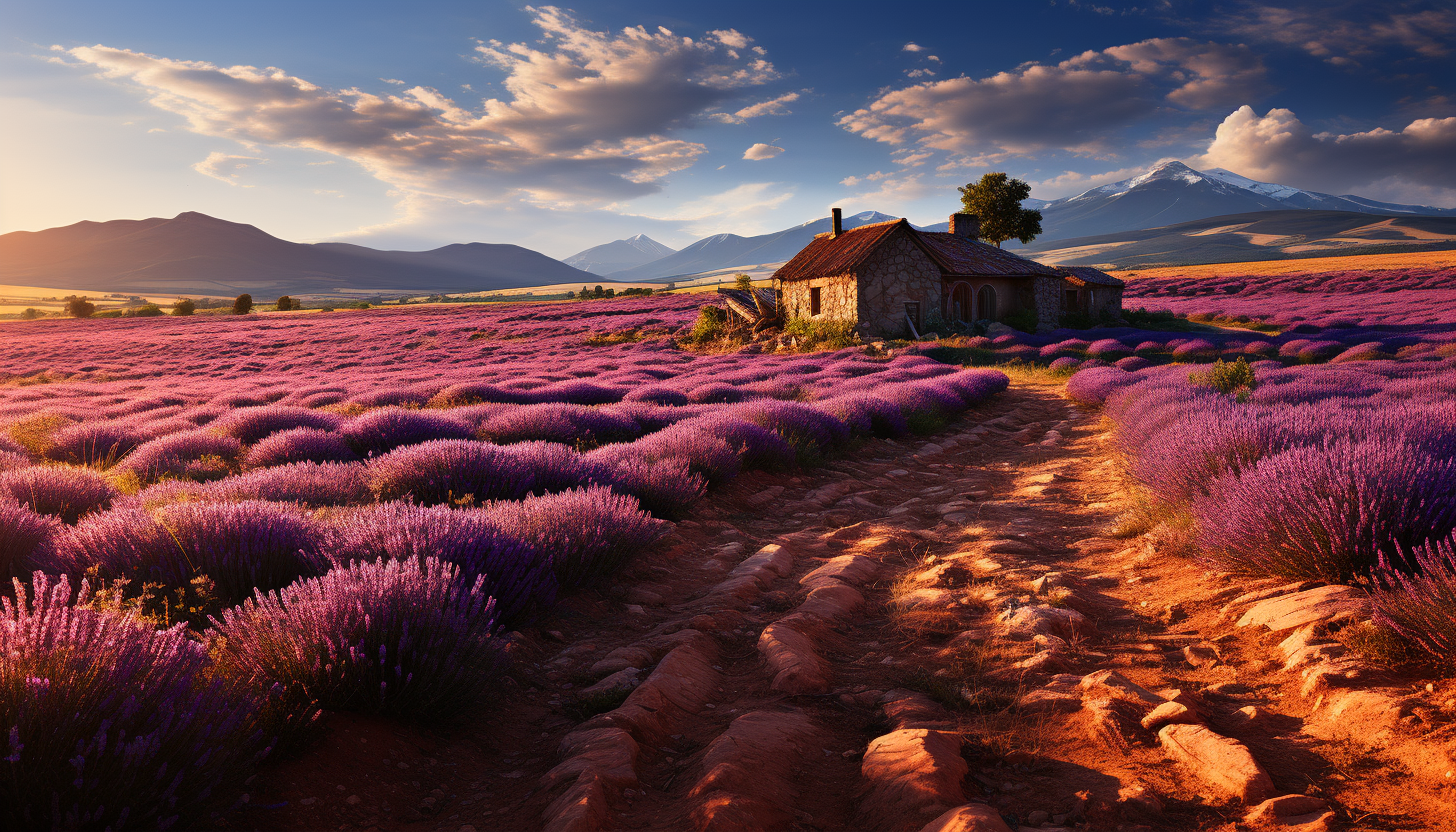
(196, 254)
(1260, 235)
(1166, 195)
(619, 255)
(723, 251)
(1161, 216)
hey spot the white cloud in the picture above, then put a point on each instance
(1073, 182)
(1077, 104)
(1278, 147)
(739, 210)
(226, 168)
(893, 193)
(772, 107)
(1349, 32)
(395, 81)
(761, 151)
(588, 118)
(731, 38)
(912, 47)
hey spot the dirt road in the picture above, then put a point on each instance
(922, 629)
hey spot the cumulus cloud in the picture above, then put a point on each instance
(1077, 104)
(912, 47)
(1349, 32)
(588, 119)
(761, 151)
(226, 168)
(1278, 147)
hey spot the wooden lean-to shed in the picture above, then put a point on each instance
(891, 280)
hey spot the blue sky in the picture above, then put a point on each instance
(561, 127)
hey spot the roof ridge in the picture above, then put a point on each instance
(866, 225)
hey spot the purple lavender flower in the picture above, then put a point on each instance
(451, 470)
(22, 534)
(60, 490)
(387, 428)
(407, 638)
(586, 533)
(299, 445)
(250, 424)
(93, 443)
(111, 723)
(187, 454)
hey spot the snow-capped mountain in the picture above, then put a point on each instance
(1173, 193)
(618, 255)
(725, 251)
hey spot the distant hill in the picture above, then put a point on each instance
(196, 254)
(1174, 193)
(723, 251)
(1260, 235)
(619, 255)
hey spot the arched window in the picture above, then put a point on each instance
(986, 304)
(960, 302)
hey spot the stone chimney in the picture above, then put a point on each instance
(965, 225)
(838, 222)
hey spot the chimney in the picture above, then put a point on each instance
(965, 225)
(838, 222)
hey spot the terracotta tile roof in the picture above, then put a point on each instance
(1082, 275)
(964, 256)
(826, 256)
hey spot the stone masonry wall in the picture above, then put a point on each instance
(899, 272)
(1049, 293)
(838, 298)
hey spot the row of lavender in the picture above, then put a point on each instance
(1415, 300)
(1344, 474)
(367, 542)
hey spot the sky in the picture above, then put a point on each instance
(414, 125)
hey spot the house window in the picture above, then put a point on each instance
(986, 304)
(1070, 303)
(814, 301)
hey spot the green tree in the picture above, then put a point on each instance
(79, 307)
(183, 307)
(743, 282)
(285, 303)
(243, 304)
(29, 314)
(996, 200)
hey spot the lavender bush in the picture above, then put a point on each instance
(299, 445)
(112, 724)
(93, 443)
(60, 490)
(22, 534)
(240, 546)
(664, 487)
(383, 430)
(186, 454)
(406, 638)
(517, 574)
(250, 424)
(1416, 600)
(1329, 511)
(586, 533)
(451, 470)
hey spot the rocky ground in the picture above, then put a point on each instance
(923, 635)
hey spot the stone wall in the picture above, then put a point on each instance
(1012, 294)
(898, 272)
(1049, 292)
(838, 298)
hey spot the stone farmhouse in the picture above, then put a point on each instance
(891, 280)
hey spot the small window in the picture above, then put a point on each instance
(814, 301)
(1071, 300)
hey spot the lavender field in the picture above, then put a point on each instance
(217, 527)
(1344, 472)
